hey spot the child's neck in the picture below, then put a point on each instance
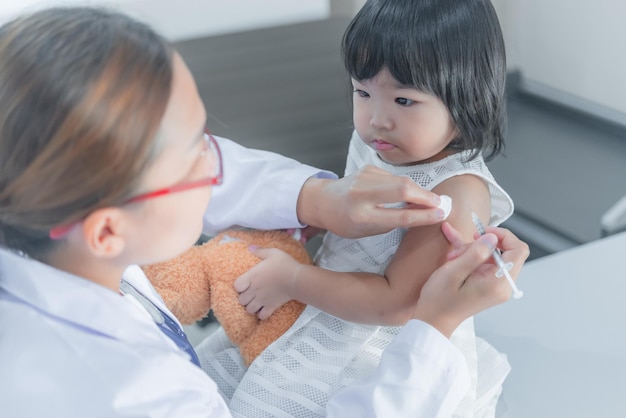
(437, 157)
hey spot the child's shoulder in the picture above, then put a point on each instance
(465, 190)
(469, 180)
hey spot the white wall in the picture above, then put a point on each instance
(183, 19)
(345, 7)
(570, 53)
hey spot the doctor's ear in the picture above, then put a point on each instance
(102, 231)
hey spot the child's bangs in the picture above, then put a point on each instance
(411, 60)
(363, 54)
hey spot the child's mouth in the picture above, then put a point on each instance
(381, 145)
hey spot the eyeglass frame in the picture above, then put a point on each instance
(215, 180)
(187, 185)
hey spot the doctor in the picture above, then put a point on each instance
(105, 165)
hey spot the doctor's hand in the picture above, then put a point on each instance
(352, 206)
(467, 284)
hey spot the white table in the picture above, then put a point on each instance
(566, 338)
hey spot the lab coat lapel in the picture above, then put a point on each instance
(77, 301)
(138, 279)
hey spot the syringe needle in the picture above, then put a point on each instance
(503, 268)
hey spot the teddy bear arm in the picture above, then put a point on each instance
(232, 316)
(174, 302)
(270, 330)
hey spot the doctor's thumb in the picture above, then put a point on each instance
(468, 259)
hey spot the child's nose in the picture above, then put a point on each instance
(381, 120)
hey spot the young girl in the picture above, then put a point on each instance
(105, 164)
(428, 79)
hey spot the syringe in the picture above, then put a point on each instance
(503, 268)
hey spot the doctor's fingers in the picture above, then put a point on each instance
(454, 291)
(475, 275)
(483, 289)
(389, 188)
(471, 258)
(513, 249)
(409, 217)
(453, 236)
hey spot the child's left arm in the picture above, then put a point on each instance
(424, 250)
(367, 297)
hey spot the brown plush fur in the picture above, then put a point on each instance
(202, 278)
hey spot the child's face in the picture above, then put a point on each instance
(402, 124)
(170, 224)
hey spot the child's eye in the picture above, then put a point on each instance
(361, 93)
(404, 102)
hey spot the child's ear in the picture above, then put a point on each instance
(103, 232)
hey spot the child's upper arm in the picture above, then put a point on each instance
(424, 249)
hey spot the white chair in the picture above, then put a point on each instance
(614, 219)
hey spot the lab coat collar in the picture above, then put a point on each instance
(137, 278)
(77, 301)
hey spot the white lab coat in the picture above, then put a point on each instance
(71, 348)
(260, 189)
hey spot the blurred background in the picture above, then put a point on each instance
(271, 77)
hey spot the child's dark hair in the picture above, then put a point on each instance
(82, 94)
(452, 49)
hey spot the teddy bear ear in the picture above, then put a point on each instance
(183, 285)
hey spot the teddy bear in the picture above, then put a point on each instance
(202, 279)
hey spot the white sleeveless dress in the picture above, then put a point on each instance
(320, 354)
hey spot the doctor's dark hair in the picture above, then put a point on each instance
(452, 49)
(82, 94)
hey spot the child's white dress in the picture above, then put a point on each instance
(320, 353)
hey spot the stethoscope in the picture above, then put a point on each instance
(166, 324)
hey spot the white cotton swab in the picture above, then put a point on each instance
(503, 268)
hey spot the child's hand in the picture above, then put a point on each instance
(467, 283)
(267, 286)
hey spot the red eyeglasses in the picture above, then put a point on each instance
(210, 149)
